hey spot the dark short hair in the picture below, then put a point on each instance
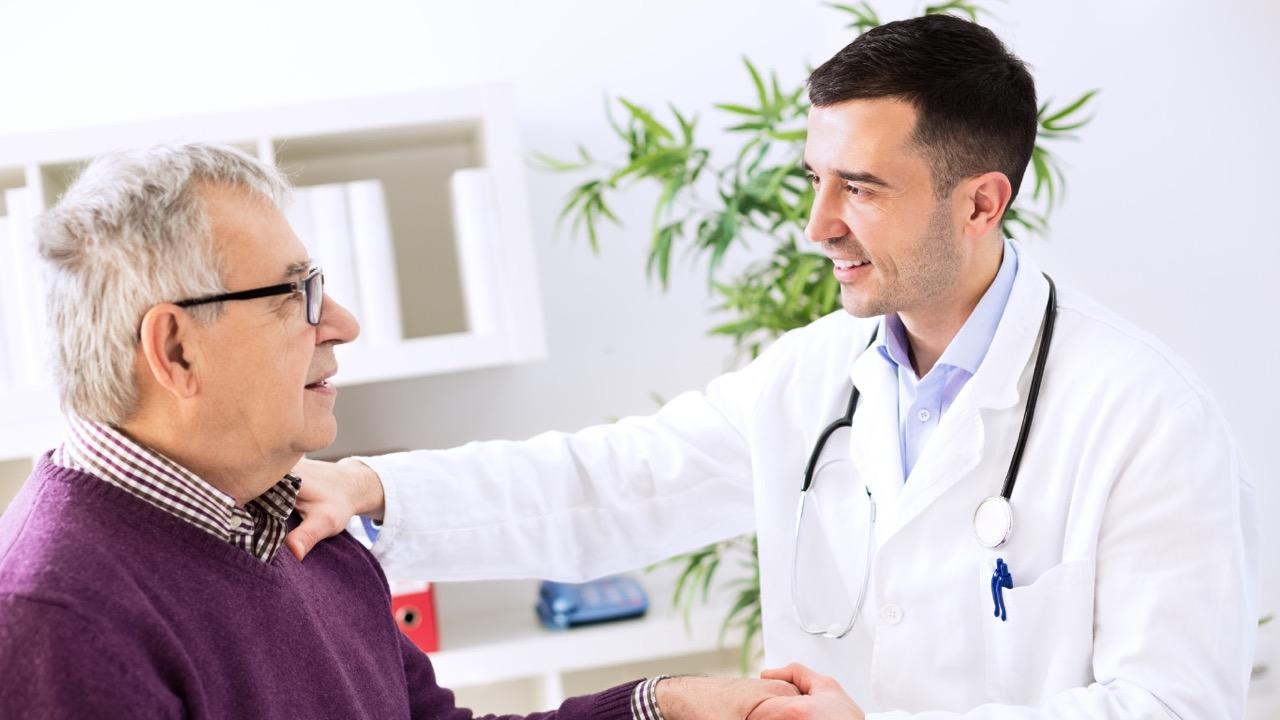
(975, 100)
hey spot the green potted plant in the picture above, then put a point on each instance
(758, 197)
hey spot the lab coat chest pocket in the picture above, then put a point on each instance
(1044, 644)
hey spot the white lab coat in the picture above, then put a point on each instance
(1134, 548)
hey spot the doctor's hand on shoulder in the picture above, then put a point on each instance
(331, 494)
(821, 697)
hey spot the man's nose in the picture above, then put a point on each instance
(337, 324)
(824, 218)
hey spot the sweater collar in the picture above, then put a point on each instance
(103, 451)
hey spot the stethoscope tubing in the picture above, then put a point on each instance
(1033, 393)
(1024, 432)
(1006, 491)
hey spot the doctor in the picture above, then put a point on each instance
(1111, 570)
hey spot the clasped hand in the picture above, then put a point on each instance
(791, 693)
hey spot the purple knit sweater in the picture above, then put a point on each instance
(111, 608)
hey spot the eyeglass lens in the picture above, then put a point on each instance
(314, 289)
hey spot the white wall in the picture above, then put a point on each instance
(1171, 217)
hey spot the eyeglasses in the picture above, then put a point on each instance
(311, 287)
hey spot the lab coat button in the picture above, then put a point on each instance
(891, 614)
(924, 416)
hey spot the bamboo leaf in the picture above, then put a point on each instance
(864, 16)
(660, 252)
(1063, 129)
(755, 80)
(603, 209)
(650, 123)
(1070, 109)
(706, 579)
(762, 151)
(961, 6)
(737, 109)
(747, 652)
(589, 220)
(745, 599)
(686, 126)
(789, 135)
(1041, 173)
(726, 231)
(571, 202)
(624, 135)
(549, 163)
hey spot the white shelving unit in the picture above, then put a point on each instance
(489, 635)
(466, 302)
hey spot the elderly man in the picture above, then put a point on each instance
(140, 571)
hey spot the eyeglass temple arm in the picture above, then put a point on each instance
(280, 289)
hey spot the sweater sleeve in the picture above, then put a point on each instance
(429, 701)
(53, 664)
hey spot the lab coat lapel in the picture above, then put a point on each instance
(873, 440)
(956, 449)
(952, 453)
(1004, 375)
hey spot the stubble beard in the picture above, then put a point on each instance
(925, 275)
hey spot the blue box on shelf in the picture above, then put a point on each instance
(565, 605)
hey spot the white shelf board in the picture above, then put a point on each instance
(489, 632)
(434, 106)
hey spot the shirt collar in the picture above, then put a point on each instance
(968, 348)
(104, 451)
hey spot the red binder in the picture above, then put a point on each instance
(414, 608)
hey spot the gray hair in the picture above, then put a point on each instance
(131, 232)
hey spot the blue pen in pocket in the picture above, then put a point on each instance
(1001, 580)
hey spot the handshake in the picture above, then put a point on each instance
(791, 693)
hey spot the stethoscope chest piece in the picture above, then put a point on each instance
(993, 521)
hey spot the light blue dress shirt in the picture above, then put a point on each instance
(923, 401)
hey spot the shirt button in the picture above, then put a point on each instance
(891, 614)
(924, 416)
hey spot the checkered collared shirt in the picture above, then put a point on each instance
(258, 528)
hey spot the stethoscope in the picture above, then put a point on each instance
(993, 518)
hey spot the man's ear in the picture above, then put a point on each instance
(988, 195)
(169, 347)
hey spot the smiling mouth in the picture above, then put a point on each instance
(317, 385)
(849, 264)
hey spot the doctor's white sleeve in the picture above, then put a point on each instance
(574, 506)
(1175, 602)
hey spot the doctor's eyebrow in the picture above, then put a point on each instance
(865, 178)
